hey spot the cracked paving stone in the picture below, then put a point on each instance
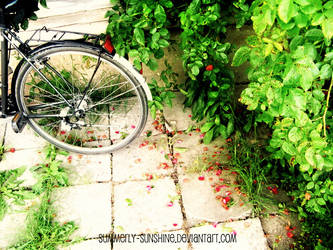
(151, 242)
(200, 203)
(89, 206)
(143, 156)
(249, 236)
(144, 207)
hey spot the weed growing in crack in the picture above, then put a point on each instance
(42, 231)
(50, 174)
(11, 190)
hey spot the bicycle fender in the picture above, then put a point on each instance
(137, 75)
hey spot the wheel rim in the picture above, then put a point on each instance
(103, 118)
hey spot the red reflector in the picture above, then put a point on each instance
(141, 70)
(108, 45)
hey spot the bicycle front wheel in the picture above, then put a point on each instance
(85, 101)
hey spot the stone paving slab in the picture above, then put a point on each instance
(85, 169)
(249, 235)
(199, 199)
(89, 206)
(89, 245)
(10, 227)
(178, 116)
(144, 207)
(27, 139)
(145, 243)
(275, 228)
(142, 157)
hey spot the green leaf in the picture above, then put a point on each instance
(230, 127)
(152, 64)
(295, 134)
(163, 43)
(310, 185)
(309, 154)
(321, 201)
(306, 80)
(289, 148)
(195, 70)
(43, 3)
(207, 126)
(241, 55)
(208, 136)
(156, 36)
(213, 94)
(223, 131)
(159, 14)
(314, 35)
(303, 2)
(327, 28)
(180, 149)
(317, 19)
(139, 36)
(259, 23)
(326, 72)
(285, 10)
(301, 20)
(304, 167)
(287, 122)
(295, 42)
(153, 111)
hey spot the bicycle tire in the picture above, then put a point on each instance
(134, 99)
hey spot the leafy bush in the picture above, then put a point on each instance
(20, 13)
(290, 87)
(210, 86)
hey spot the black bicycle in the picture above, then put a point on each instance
(77, 94)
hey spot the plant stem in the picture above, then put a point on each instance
(327, 103)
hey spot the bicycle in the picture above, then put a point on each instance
(78, 94)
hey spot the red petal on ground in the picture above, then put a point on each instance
(290, 235)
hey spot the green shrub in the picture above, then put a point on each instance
(290, 87)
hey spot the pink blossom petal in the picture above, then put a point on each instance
(133, 126)
(170, 204)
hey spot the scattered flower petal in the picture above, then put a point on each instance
(201, 178)
(170, 204)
